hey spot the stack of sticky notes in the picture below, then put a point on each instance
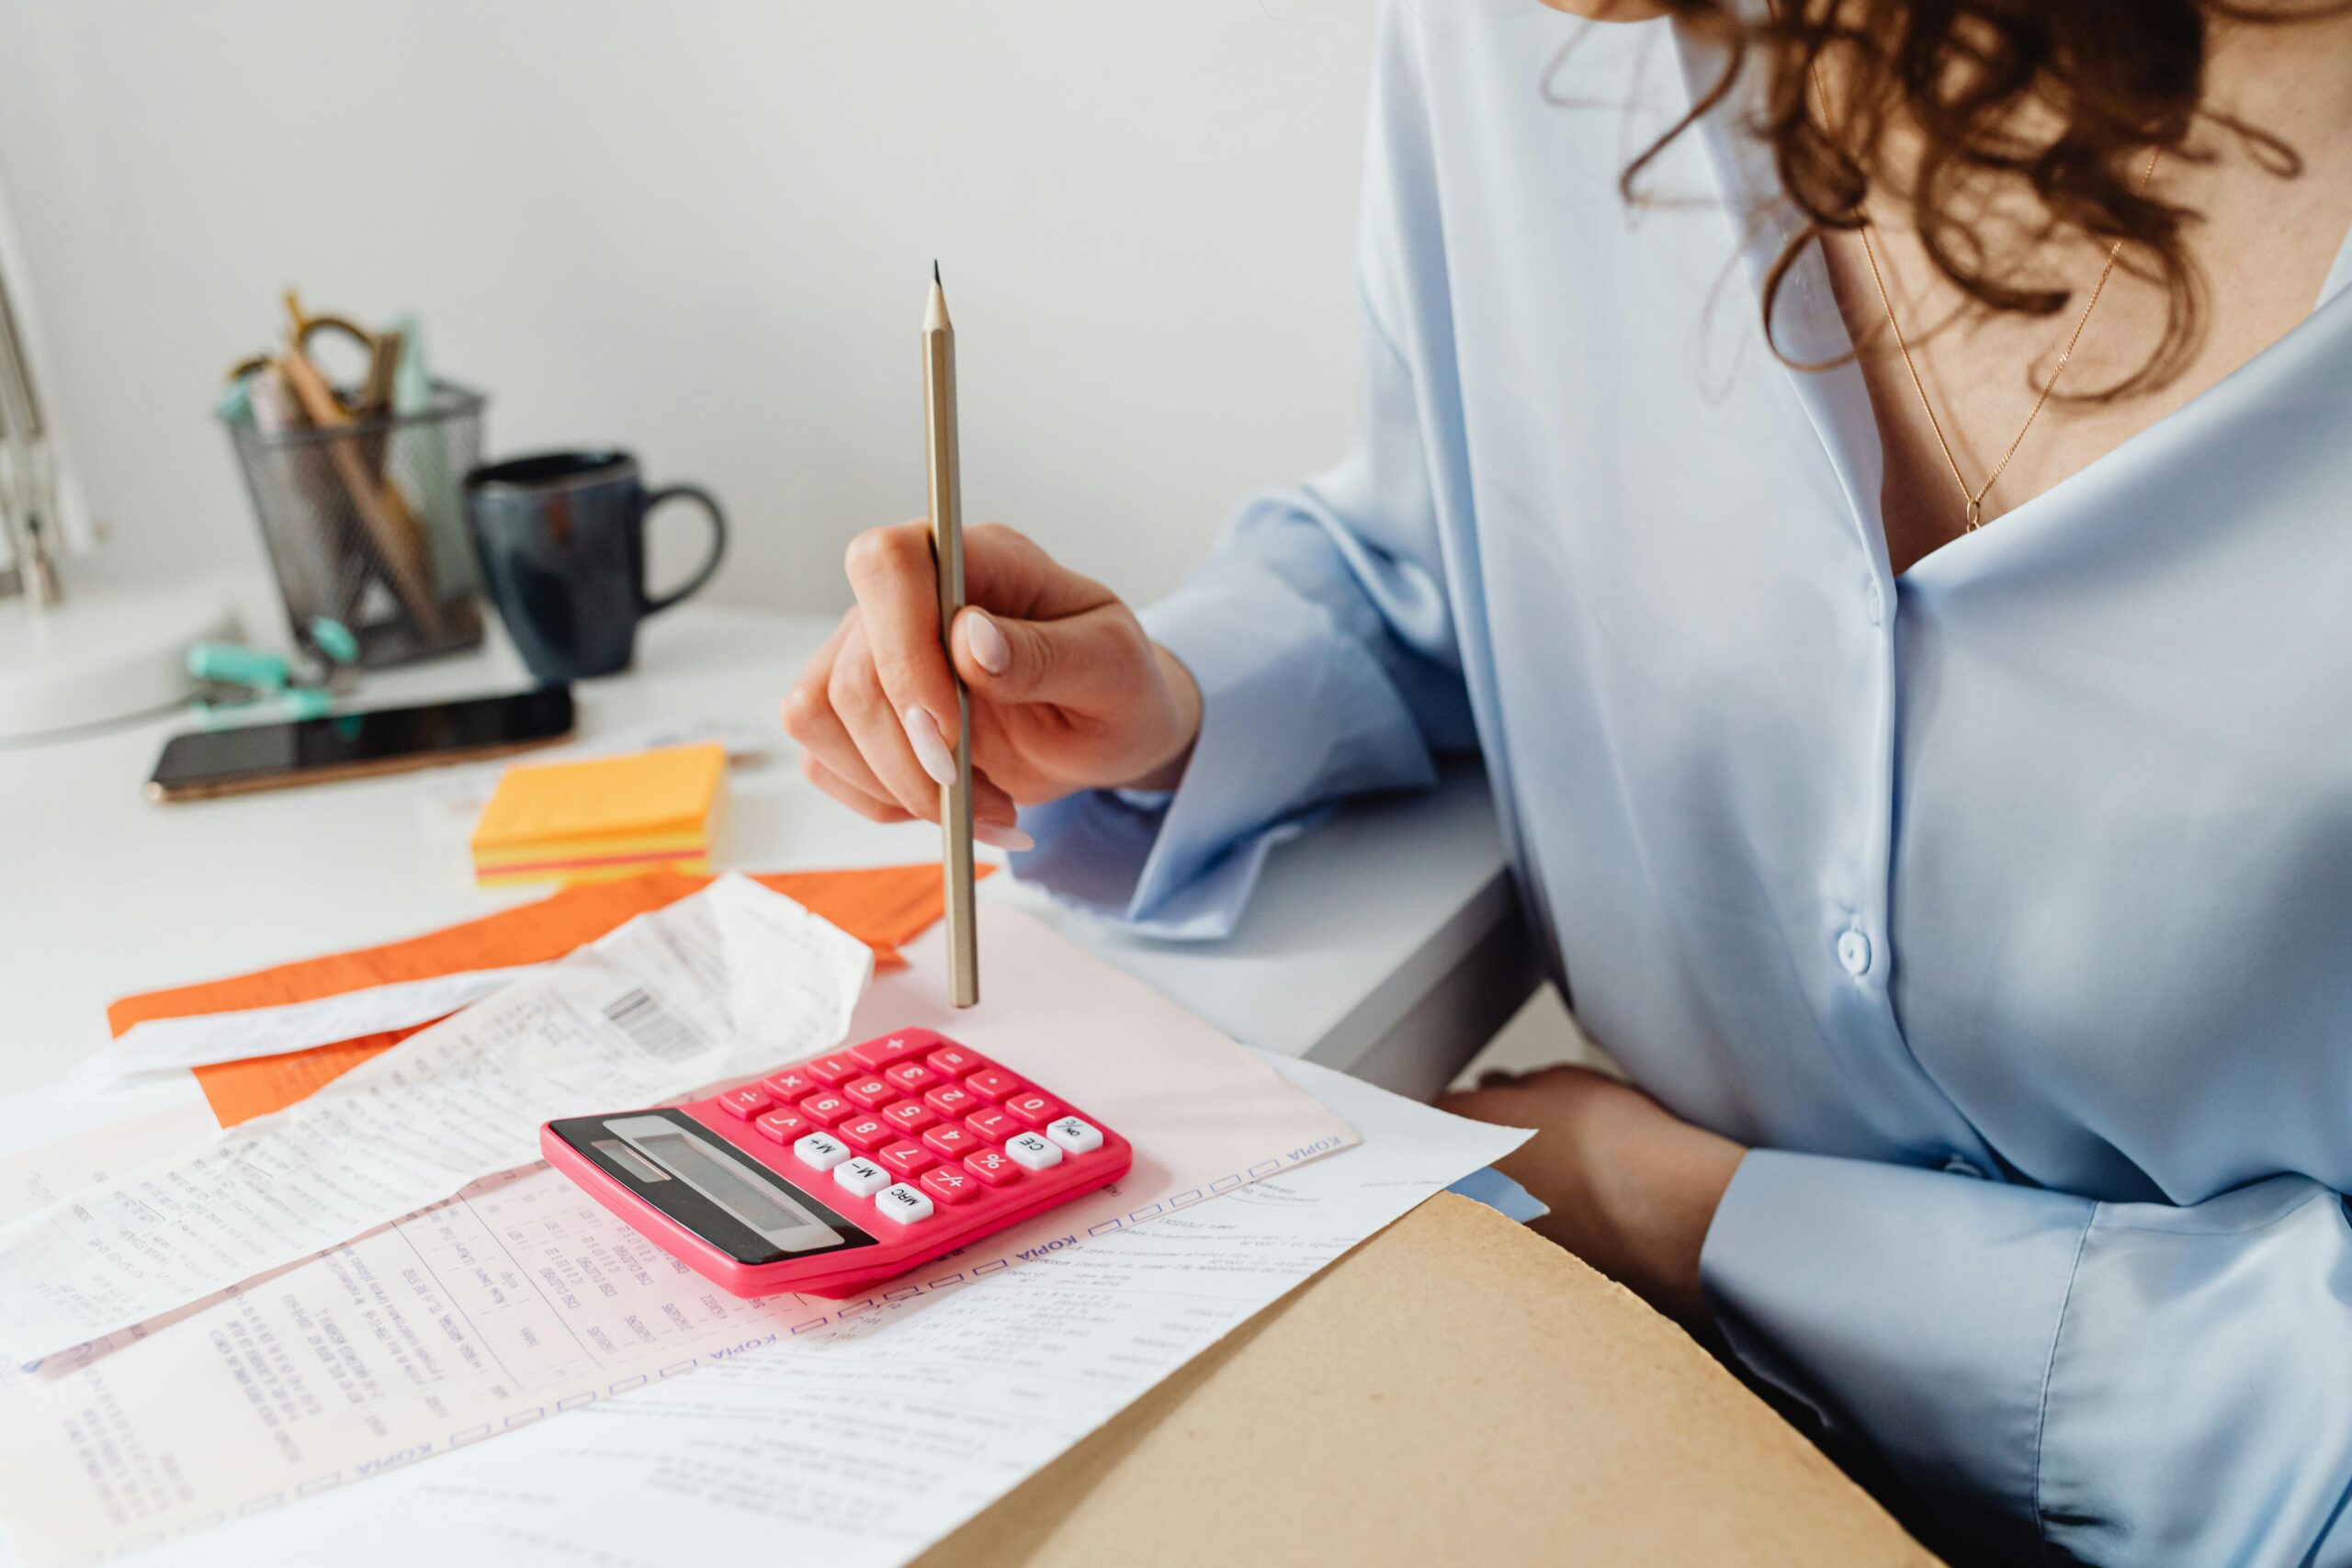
(602, 818)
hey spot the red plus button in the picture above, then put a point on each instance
(950, 1184)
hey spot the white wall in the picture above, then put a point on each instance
(703, 229)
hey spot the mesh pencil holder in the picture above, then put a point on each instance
(365, 524)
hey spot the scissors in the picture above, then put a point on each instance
(400, 555)
(381, 352)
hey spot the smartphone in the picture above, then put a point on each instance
(357, 744)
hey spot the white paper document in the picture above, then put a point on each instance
(520, 1297)
(858, 1447)
(162, 1044)
(639, 1016)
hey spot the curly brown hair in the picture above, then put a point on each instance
(2068, 98)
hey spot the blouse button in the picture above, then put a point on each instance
(1854, 952)
(1877, 602)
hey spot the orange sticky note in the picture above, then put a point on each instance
(601, 816)
(881, 905)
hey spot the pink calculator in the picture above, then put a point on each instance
(831, 1174)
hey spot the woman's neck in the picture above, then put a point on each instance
(2262, 242)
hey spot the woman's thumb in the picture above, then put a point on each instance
(1063, 661)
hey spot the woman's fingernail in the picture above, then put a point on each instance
(1004, 838)
(989, 646)
(930, 749)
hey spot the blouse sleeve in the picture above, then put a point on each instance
(2113, 1382)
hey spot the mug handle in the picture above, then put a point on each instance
(718, 543)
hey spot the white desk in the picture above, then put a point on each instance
(1387, 944)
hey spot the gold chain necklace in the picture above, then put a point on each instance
(1975, 498)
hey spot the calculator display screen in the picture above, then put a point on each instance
(721, 1176)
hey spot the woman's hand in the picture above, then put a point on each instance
(1632, 1187)
(1067, 692)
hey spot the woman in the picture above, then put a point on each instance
(1938, 799)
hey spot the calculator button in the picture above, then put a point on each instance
(950, 1184)
(912, 1115)
(837, 1068)
(784, 1127)
(992, 1083)
(1037, 1153)
(1076, 1137)
(825, 1109)
(861, 1177)
(952, 1099)
(870, 1093)
(790, 1084)
(991, 1166)
(866, 1133)
(879, 1054)
(821, 1151)
(954, 1061)
(1033, 1109)
(902, 1202)
(912, 1078)
(950, 1141)
(746, 1102)
(905, 1158)
(990, 1122)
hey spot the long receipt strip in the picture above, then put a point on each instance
(162, 1044)
(639, 1016)
(860, 1447)
(521, 1298)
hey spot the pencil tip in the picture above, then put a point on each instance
(934, 270)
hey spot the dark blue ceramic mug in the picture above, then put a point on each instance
(561, 538)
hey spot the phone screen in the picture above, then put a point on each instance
(359, 740)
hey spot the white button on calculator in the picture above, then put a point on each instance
(861, 1177)
(1079, 1137)
(1031, 1152)
(821, 1150)
(902, 1202)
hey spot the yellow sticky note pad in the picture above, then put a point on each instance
(603, 817)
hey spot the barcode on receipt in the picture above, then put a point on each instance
(657, 1030)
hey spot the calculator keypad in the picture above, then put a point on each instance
(914, 1129)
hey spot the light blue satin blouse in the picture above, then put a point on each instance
(2004, 908)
